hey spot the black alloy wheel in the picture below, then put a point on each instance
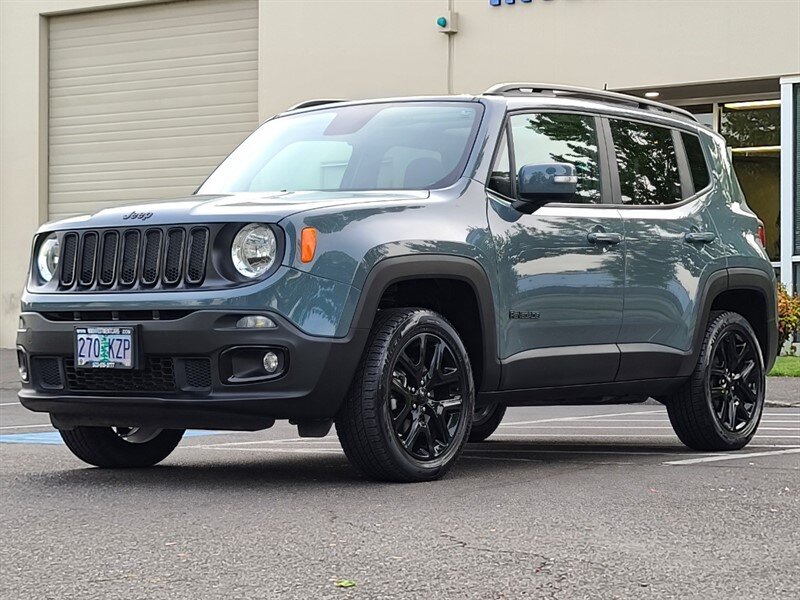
(426, 397)
(735, 380)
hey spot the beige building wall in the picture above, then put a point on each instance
(362, 48)
(625, 43)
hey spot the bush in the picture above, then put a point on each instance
(788, 316)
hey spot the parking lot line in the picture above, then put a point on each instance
(582, 417)
(637, 427)
(718, 458)
(274, 450)
(25, 426)
(624, 435)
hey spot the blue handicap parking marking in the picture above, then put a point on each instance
(52, 437)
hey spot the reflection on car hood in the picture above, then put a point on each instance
(262, 207)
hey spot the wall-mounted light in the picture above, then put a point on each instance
(448, 22)
(753, 104)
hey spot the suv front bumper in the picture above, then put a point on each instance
(182, 381)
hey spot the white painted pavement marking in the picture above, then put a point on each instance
(622, 435)
(717, 458)
(26, 426)
(634, 427)
(766, 421)
(10, 404)
(580, 418)
(251, 442)
(275, 450)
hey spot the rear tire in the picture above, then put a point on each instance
(720, 406)
(109, 447)
(409, 410)
(485, 421)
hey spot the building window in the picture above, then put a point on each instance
(704, 113)
(752, 130)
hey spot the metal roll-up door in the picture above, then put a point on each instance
(145, 101)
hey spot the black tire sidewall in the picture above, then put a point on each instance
(424, 322)
(485, 427)
(103, 447)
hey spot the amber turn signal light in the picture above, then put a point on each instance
(308, 244)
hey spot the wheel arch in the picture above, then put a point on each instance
(430, 267)
(749, 292)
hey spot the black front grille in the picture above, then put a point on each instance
(198, 249)
(88, 258)
(157, 375)
(151, 257)
(173, 262)
(130, 257)
(108, 262)
(68, 256)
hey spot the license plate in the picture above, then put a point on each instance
(104, 347)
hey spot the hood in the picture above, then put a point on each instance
(246, 206)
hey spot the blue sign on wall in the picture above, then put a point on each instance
(499, 2)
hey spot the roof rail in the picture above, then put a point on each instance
(509, 89)
(317, 102)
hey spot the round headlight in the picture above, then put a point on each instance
(253, 250)
(47, 261)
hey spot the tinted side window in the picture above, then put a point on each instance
(697, 161)
(500, 177)
(648, 165)
(559, 138)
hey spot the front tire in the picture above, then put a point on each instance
(409, 410)
(720, 407)
(121, 447)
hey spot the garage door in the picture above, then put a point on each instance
(146, 101)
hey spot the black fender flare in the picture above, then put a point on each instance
(436, 266)
(744, 278)
(735, 278)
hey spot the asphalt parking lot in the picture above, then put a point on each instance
(562, 502)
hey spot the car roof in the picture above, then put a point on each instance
(520, 96)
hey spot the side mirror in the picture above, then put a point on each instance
(538, 185)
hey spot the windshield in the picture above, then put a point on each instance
(387, 146)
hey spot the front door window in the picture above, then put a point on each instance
(560, 138)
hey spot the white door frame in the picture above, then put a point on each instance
(788, 175)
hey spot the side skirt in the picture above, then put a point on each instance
(597, 393)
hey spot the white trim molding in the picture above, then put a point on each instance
(788, 175)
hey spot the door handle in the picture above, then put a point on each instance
(702, 237)
(601, 237)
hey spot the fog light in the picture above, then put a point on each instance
(270, 362)
(22, 365)
(255, 322)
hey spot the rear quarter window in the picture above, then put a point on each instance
(697, 161)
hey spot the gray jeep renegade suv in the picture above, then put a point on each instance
(406, 269)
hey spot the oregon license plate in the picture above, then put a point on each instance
(105, 347)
